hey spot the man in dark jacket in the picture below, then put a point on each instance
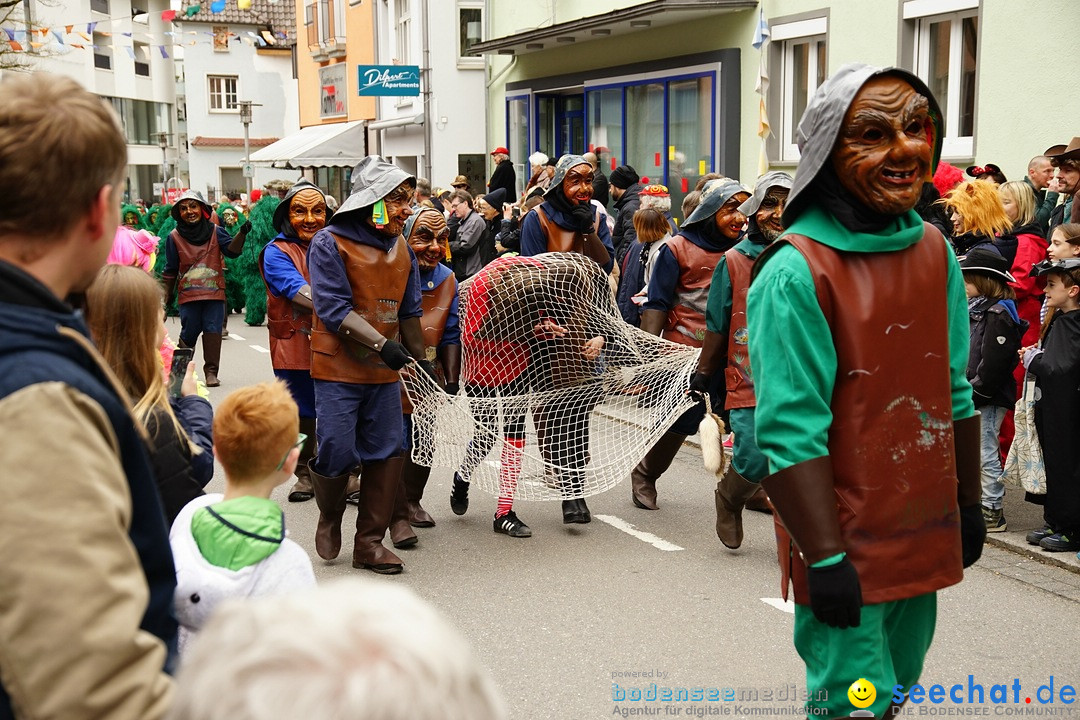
(504, 176)
(601, 187)
(625, 188)
(1039, 174)
(85, 565)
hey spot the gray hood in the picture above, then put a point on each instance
(190, 195)
(418, 210)
(561, 168)
(281, 212)
(771, 179)
(819, 127)
(373, 179)
(713, 196)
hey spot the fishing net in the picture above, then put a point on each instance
(560, 397)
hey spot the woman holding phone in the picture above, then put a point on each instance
(124, 311)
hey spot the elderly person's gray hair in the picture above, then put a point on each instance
(349, 649)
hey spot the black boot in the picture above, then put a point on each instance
(459, 497)
(652, 466)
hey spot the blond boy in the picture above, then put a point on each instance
(234, 545)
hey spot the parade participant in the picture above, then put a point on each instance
(860, 344)
(365, 288)
(86, 575)
(726, 335)
(567, 221)
(284, 267)
(522, 332)
(426, 232)
(193, 252)
(675, 310)
(132, 217)
(232, 221)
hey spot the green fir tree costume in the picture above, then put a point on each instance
(234, 288)
(246, 267)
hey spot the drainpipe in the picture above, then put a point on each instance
(428, 119)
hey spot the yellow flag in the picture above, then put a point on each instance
(243, 4)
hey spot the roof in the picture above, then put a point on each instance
(208, 142)
(655, 13)
(332, 145)
(280, 15)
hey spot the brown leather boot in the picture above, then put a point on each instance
(416, 477)
(379, 484)
(211, 349)
(401, 532)
(652, 466)
(732, 492)
(301, 490)
(759, 502)
(330, 497)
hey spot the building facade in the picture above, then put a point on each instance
(224, 59)
(675, 87)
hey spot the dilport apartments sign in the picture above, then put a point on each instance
(397, 80)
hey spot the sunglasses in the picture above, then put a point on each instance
(299, 442)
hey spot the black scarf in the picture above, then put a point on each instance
(198, 233)
(852, 214)
(559, 201)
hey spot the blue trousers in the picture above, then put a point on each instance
(302, 389)
(200, 316)
(356, 424)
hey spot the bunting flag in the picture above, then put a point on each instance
(192, 10)
(168, 15)
(243, 4)
(761, 87)
(162, 49)
(217, 6)
(131, 52)
(90, 26)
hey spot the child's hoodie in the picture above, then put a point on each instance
(231, 549)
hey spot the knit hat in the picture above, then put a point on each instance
(496, 198)
(655, 196)
(623, 177)
(986, 262)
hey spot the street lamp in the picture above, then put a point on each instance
(163, 143)
(245, 117)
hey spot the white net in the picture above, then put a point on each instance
(561, 397)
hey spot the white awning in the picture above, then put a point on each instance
(335, 145)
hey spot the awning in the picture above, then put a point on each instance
(335, 145)
(617, 22)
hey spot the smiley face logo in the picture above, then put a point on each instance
(862, 693)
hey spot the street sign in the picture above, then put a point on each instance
(388, 80)
(249, 171)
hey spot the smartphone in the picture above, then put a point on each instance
(180, 359)
(516, 212)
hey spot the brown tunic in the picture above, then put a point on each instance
(686, 320)
(202, 269)
(561, 239)
(289, 326)
(891, 440)
(739, 379)
(436, 305)
(378, 280)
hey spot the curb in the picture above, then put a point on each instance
(1032, 553)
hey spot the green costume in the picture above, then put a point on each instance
(246, 266)
(234, 287)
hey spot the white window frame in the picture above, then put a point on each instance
(402, 31)
(953, 144)
(325, 22)
(814, 32)
(468, 61)
(223, 93)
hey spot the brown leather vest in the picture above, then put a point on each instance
(378, 280)
(436, 304)
(686, 320)
(891, 439)
(739, 379)
(202, 269)
(559, 238)
(289, 326)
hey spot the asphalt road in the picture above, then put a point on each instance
(563, 617)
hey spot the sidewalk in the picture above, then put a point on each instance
(1022, 517)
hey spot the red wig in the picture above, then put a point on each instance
(947, 177)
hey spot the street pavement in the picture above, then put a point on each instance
(568, 619)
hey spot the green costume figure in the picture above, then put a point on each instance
(246, 267)
(859, 323)
(156, 216)
(168, 224)
(726, 349)
(132, 217)
(232, 219)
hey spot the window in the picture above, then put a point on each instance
(142, 120)
(945, 55)
(645, 130)
(222, 93)
(102, 52)
(800, 55)
(331, 21)
(142, 59)
(401, 51)
(517, 132)
(605, 121)
(690, 134)
(101, 6)
(311, 25)
(470, 32)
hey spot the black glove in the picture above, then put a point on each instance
(835, 594)
(972, 534)
(582, 217)
(699, 385)
(394, 355)
(428, 367)
(245, 228)
(452, 388)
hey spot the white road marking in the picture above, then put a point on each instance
(234, 336)
(782, 605)
(259, 348)
(656, 542)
